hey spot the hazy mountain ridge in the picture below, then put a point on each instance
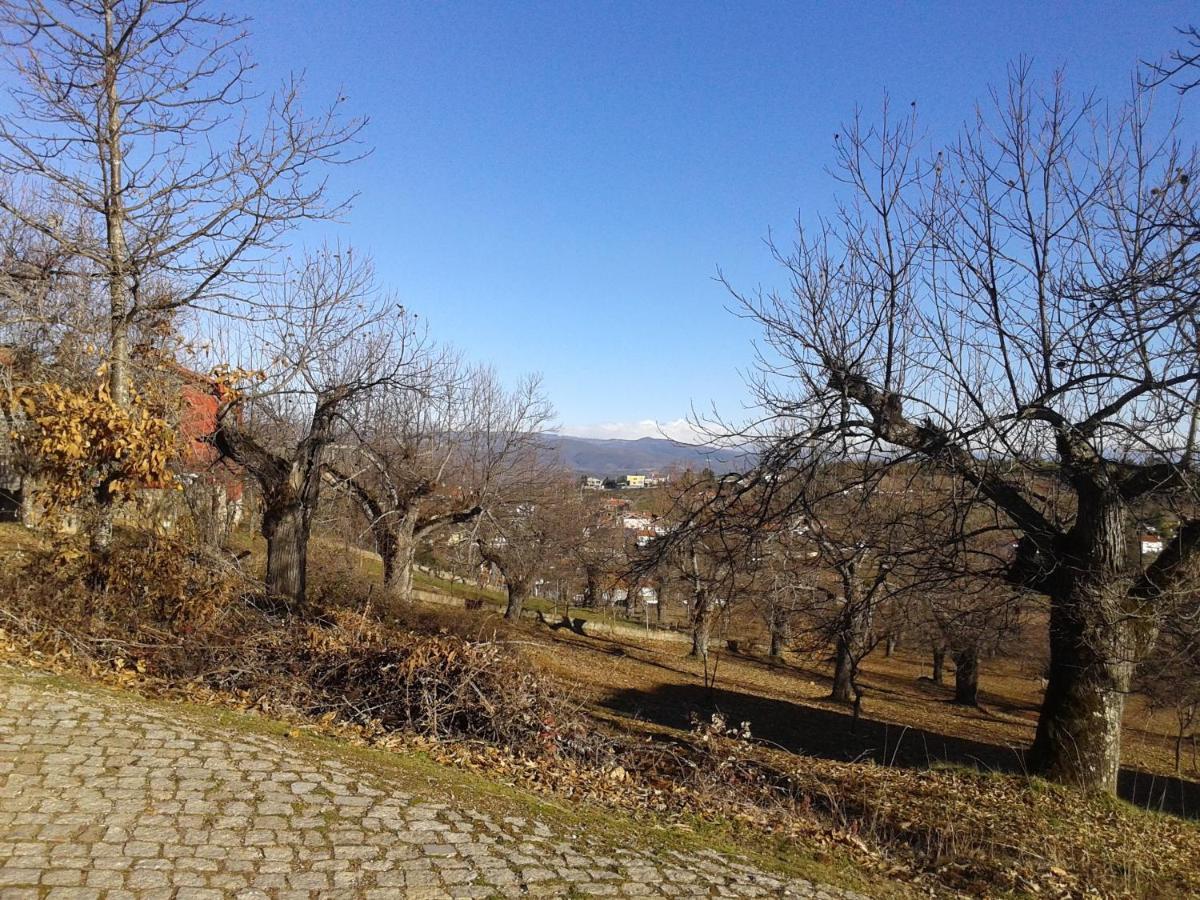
(612, 457)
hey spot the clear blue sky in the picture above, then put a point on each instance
(553, 185)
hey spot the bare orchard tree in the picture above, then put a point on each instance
(859, 523)
(604, 556)
(326, 344)
(708, 550)
(48, 307)
(965, 605)
(1018, 310)
(432, 455)
(785, 583)
(128, 120)
(530, 527)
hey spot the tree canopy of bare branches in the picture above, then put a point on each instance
(1017, 309)
(130, 147)
(435, 454)
(326, 344)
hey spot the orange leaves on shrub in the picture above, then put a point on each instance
(84, 443)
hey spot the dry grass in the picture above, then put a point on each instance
(158, 611)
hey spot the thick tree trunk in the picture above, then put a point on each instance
(843, 673)
(1078, 738)
(99, 523)
(397, 549)
(890, 647)
(517, 591)
(286, 532)
(966, 677)
(1094, 643)
(101, 538)
(591, 590)
(939, 664)
(852, 640)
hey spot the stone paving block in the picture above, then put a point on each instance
(159, 807)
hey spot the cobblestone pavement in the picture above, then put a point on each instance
(110, 797)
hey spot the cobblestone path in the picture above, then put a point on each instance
(110, 797)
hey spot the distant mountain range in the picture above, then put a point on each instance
(611, 458)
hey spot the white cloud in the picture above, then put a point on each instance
(678, 430)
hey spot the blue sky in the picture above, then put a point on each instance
(553, 185)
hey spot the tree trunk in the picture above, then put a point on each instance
(777, 639)
(397, 549)
(843, 672)
(28, 513)
(966, 677)
(1094, 642)
(939, 664)
(1078, 738)
(112, 153)
(114, 214)
(890, 646)
(517, 592)
(101, 537)
(99, 522)
(852, 640)
(286, 532)
(207, 501)
(591, 589)
(218, 524)
(701, 628)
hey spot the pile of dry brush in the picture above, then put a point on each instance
(170, 615)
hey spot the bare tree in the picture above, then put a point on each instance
(129, 121)
(530, 527)
(1018, 311)
(857, 524)
(709, 549)
(785, 584)
(433, 455)
(604, 556)
(326, 344)
(964, 603)
(1170, 679)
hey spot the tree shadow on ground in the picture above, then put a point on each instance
(829, 734)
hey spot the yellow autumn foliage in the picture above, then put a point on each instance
(87, 445)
